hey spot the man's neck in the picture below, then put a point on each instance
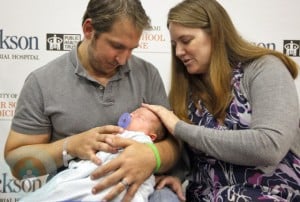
(102, 77)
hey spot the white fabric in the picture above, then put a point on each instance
(74, 183)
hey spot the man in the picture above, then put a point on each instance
(68, 107)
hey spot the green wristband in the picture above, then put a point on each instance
(157, 156)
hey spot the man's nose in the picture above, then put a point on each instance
(123, 57)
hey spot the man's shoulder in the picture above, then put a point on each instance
(138, 62)
(141, 67)
(55, 66)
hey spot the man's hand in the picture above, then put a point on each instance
(86, 144)
(129, 170)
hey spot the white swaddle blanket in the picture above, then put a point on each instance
(74, 183)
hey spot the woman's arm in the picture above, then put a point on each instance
(271, 92)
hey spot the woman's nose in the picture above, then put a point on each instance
(179, 51)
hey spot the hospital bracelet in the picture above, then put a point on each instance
(66, 157)
(157, 156)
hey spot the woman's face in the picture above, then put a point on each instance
(192, 46)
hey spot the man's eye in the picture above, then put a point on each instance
(186, 41)
(117, 46)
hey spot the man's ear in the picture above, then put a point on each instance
(88, 29)
(153, 136)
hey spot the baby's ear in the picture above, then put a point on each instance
(153, 136)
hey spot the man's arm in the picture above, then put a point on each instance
(38, 154)
(32, 152)
(169, 150)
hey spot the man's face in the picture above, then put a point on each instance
(114, 48)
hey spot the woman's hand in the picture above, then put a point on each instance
(172, 182)
(168, 118)
(86, 144)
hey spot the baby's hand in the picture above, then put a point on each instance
(172, 182)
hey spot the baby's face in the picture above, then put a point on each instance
(142, 120)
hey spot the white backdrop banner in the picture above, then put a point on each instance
(33, 32)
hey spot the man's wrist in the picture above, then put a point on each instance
(157, 156)
(65, 156)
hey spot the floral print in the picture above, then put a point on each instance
(214, 180)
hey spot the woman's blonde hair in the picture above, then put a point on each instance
(228, 49)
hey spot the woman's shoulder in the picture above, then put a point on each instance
(263, 61)
(265, 69)
(267, 64)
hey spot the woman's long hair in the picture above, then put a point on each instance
(228, 49)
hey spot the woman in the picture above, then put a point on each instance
(235, 106)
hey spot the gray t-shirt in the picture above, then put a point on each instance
(267, 85)
(61, 99)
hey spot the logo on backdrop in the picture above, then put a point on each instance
(8, 102)
(154, 40)
(269, 45)
(291, 48)
(30, 172)
(62, 42)
(13, 42)
(21, 43)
